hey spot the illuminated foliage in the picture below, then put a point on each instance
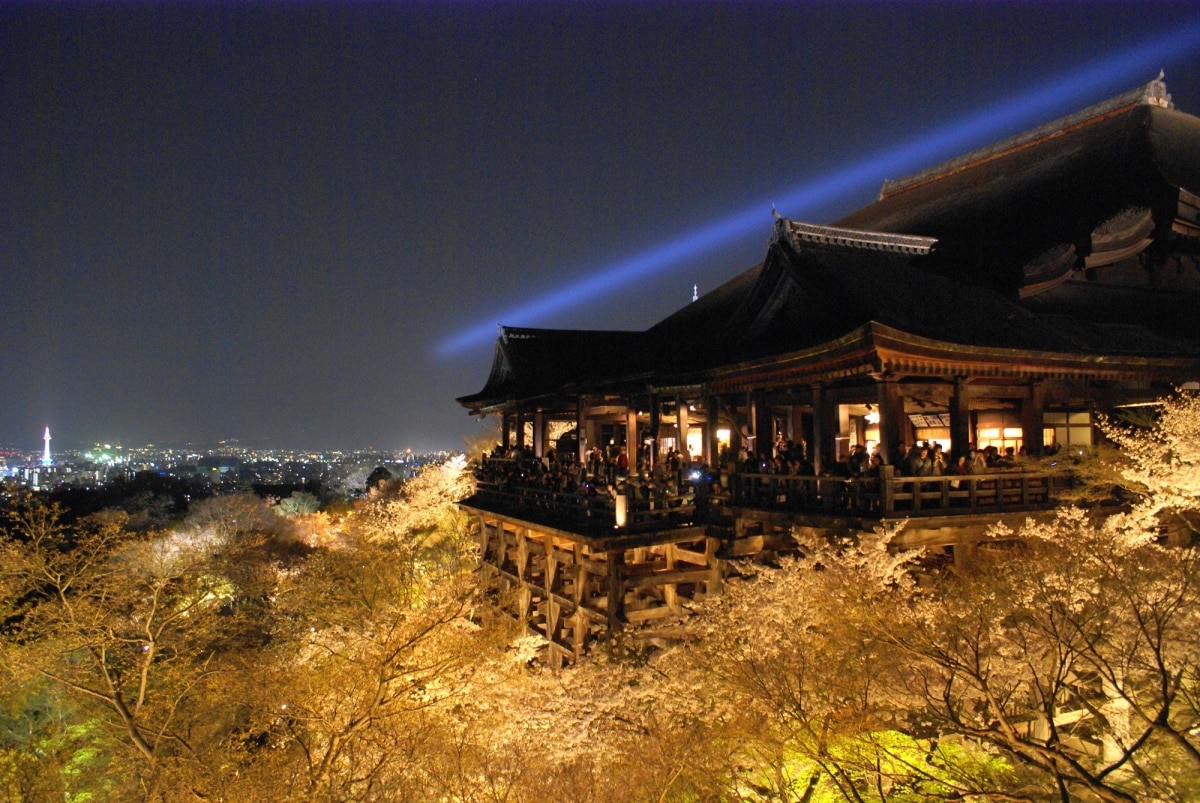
(242, 656)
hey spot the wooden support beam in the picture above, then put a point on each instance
(652, 455)
(579, 637)
(760, 417)
(670, 577)
(522, 560)
(631, 436)
(712, 422)
(824, 430)
(524, 601)
(960, 418)
(681, 424)
(669, 590)
(715, 584)
(510, 581)
(1032, 419)
(539, 433)
(691, 556)
(893, 424)
(616, 590)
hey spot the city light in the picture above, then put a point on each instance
(1032, 106)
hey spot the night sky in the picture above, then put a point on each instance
(268, 221)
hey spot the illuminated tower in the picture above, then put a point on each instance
(46, 448)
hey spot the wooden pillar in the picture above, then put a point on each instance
(960, 418)
(631, 435)
(552, 607)
(655, 424)
(522, 553)
(581, 432)
(524, 594)
(735, 426)
(1032, 408)
(616, 590)
(712, 422)
(821, 448)
(893, 424)
(483, 539)
(593, 435)
(681, 424)
(505, 433)
(670, 596)
(539, 433)
(761, 417)
(716, 567)
(520, 430)
(580, 624)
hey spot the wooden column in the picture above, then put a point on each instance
(483, 539)
(505, 433)
(655, 424)
(552, 607)
(893, 425)
(735, 427)
(763, 436)
(524, 595)
(580, 623)
(616, 590)
(631, 435)
(681, 424)
(520, 430)
(960, 418)
(821, 448)
(593, 435)
(581, 432)
(522, 553)
(539, 433)
(712, 422)
(1032, 408)
(716, 582)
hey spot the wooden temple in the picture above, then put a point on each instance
(1002, 299)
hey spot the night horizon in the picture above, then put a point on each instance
(264, 223)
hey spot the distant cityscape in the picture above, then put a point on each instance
(227, 463)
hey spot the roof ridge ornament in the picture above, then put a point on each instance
(1153, 93)
(798, 235)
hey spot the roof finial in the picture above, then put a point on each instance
(695, 292)
(775, 213)
(1155, 92)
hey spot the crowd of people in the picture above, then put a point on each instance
(604, 474)
(925, 459)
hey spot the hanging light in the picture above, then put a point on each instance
(872, 416)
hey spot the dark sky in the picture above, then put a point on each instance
(264, 221)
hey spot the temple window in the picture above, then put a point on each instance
(1067, 428)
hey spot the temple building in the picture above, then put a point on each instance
(994, 304)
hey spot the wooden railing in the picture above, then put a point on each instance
(889, 495)
(592, 511)
(884, 496)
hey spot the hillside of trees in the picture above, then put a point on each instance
(265, 650)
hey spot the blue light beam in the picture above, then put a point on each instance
(1066, 91)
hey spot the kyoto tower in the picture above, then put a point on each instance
(46, 448)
